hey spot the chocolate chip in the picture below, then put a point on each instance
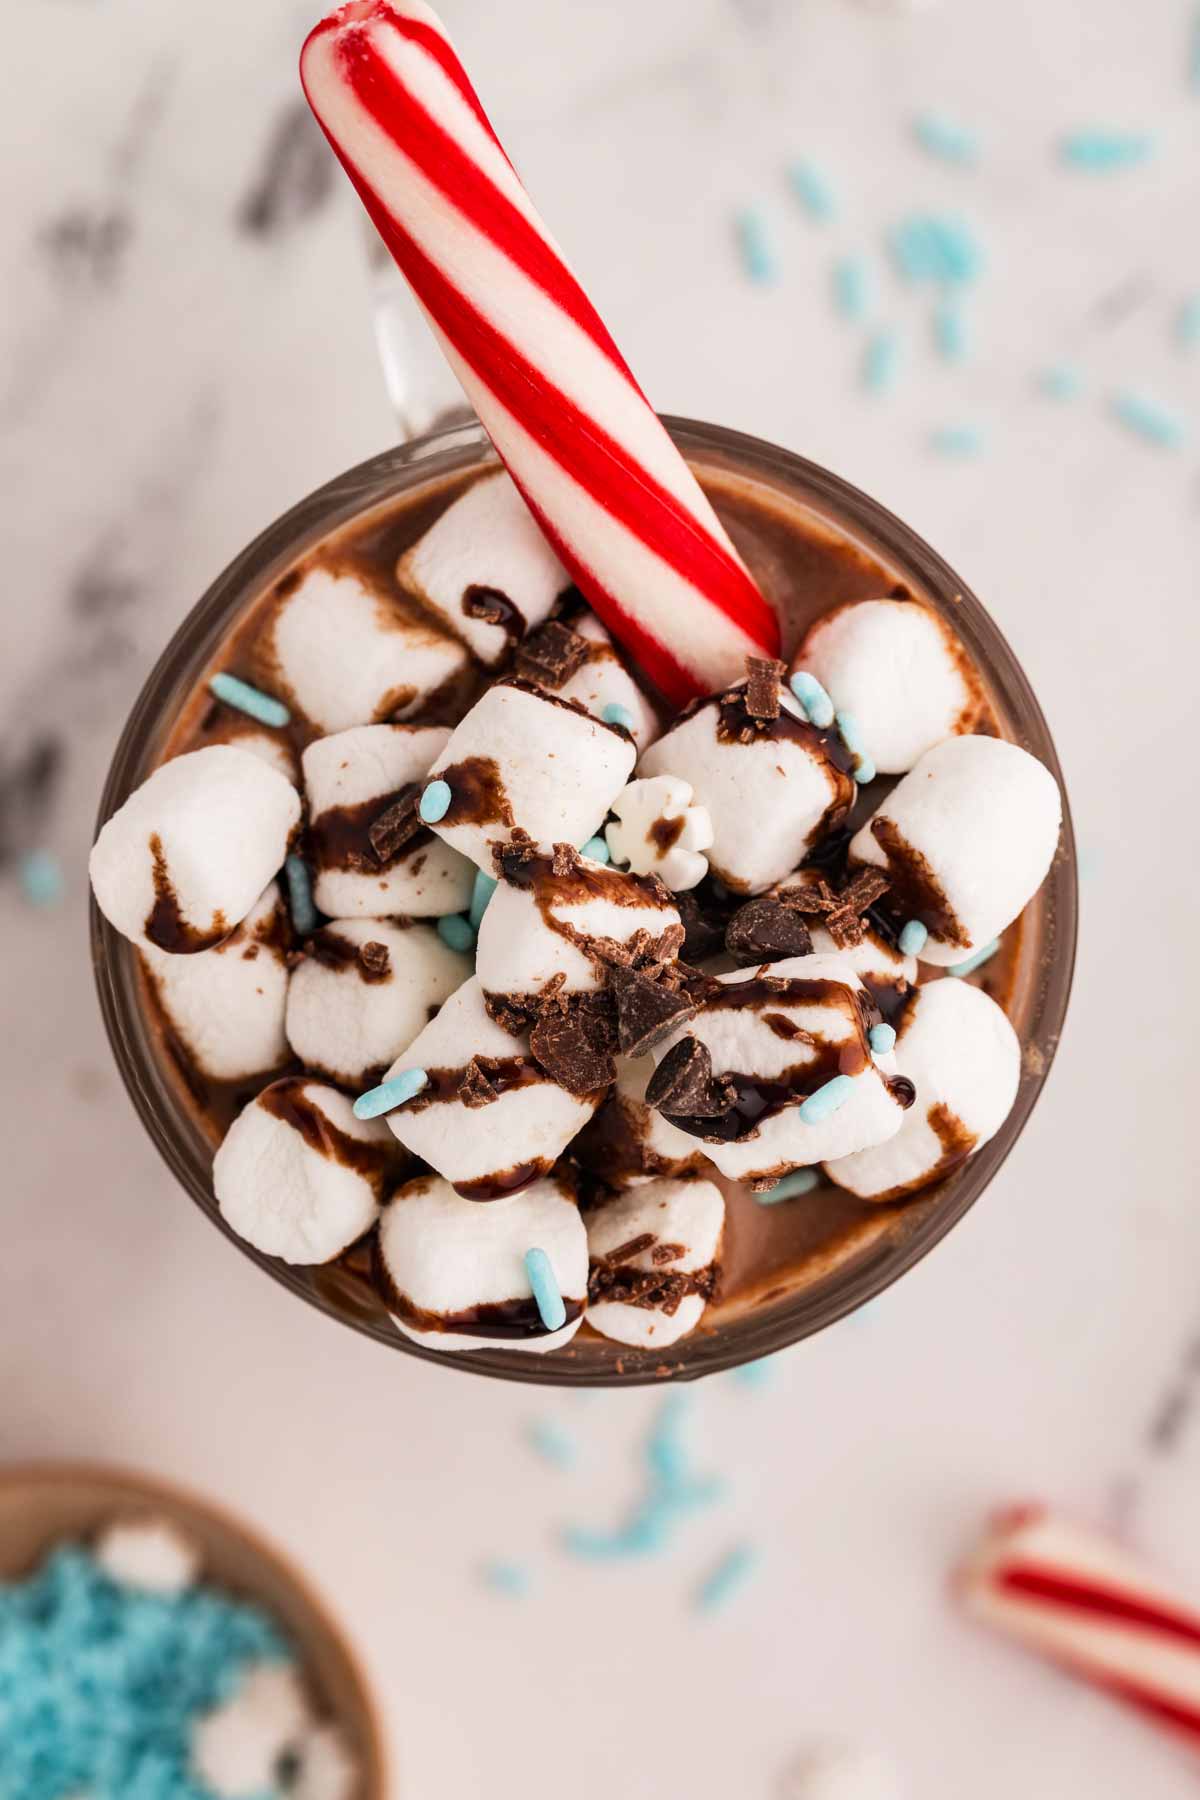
(475, 1089)
(765, 931)
(551, 654)
(682, 1086)
(375, 961)
(397, 824)
(703, 929)
(763, 685)
(646, 1010)
(565, 1049)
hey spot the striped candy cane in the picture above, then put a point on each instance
(1086, 1603)
(600, 474)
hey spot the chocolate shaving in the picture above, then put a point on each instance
(475, 1089)
(487, 604)
(566, 1050)
(551, 654)
(845, 923)
(766, 930)
(667, 1253)
(513, 1019)
(763, 1184)
(646, 1009)
(809, 897)
(566, 860)
(374, 960)
(396, 824)
(631, 1248)
(763, 685)
(683, 1087)
(513, 855)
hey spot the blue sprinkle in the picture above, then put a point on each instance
(1098, 151)
(1194, 54)
(435, 802)
(485, 886)
(596, 850)
(852, 287)
(552, 1443)
(850, 732)
(827, 1100)
(1187, 323)
(864, 771)
(247, 699)
(1060, 381)
(1148, 420)
(800, 1181)
(300, 900)
(933, 248)
(812, 189)
(950, 334)
(546, 1291)
(390, 1094)
(957, 440)
(913, 938)
(615, 714)
(950, 143)
(41, 878)
(813, 698)
(723, 1581)
(882, 1038)
(881, 361)
(756, 246)
(757, 1374)
(456, 932)
(511, 1579)
(975, 961)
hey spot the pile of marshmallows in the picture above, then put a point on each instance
(425, 844)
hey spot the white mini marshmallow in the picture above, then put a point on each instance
(979, 815)
(325, 1768)
(343, 775)
(342, 653)
(445, 1258)
(226, 1005)
(521, 1133)
(746, 1041)
(831, 1770)
(962, 1055)
(603, 680)
(547, 767)
(539, 925)
(347, 1021)
(184, 860)
(685, 1217)
(297, 1175)
(658, 830)
(487, 539)
(768, 800)
(151, 1554)
(238, 1746)
(896, 667)
(629, 1141)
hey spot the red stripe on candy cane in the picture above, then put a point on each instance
(1105, 1603)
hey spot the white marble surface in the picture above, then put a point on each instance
(169, 380)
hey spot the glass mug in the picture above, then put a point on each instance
(886, 1245)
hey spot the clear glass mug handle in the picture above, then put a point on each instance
(421, 387)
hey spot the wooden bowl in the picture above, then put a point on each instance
(42, 1504)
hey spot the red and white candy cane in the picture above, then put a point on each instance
(1086, 1603)
(600, 474)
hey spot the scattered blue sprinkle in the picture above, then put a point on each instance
(827, 1100)
(1193, 68)
(757, 1374)
(1186, 329)
(913, 938)
(936, 248)
(1148, 420)
(976, 961)
(813, 698)
(852, 287)
(950, 335)
(390, 1094)
(723, 1581)
(881, 361)
(546, 1291)
(813, 190)
(596, 850)
(948, 141)
(882, 1039)
(1099, 151)
(957, 440)
(300, 900)
(673, 1491)
(757, 246)
(247, 699)
(511, 1579)
(435, 802)
(552, 1443)
(456, 932)
(789, 1187)
(1060, 381)
(616, 714)
(485, 886)
(41, 877)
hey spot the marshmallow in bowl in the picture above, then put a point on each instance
(181, 863)
(271, 746)
(489, 1118)
(654, 1254)
(485, 569)
(628, 1141)
(237, 1748)
(741, 1077)
(898, 670)
(659, 830)
(297, 1175)
(603, 680)
(557, 914)
(150, 1554)
(363, 991)
(525, 760)
(962, 1056)
(453, 1273)
(226, 1005)
(371, 855)
(966, 839)
(342, 653)
(772, 785)
(884, 971)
